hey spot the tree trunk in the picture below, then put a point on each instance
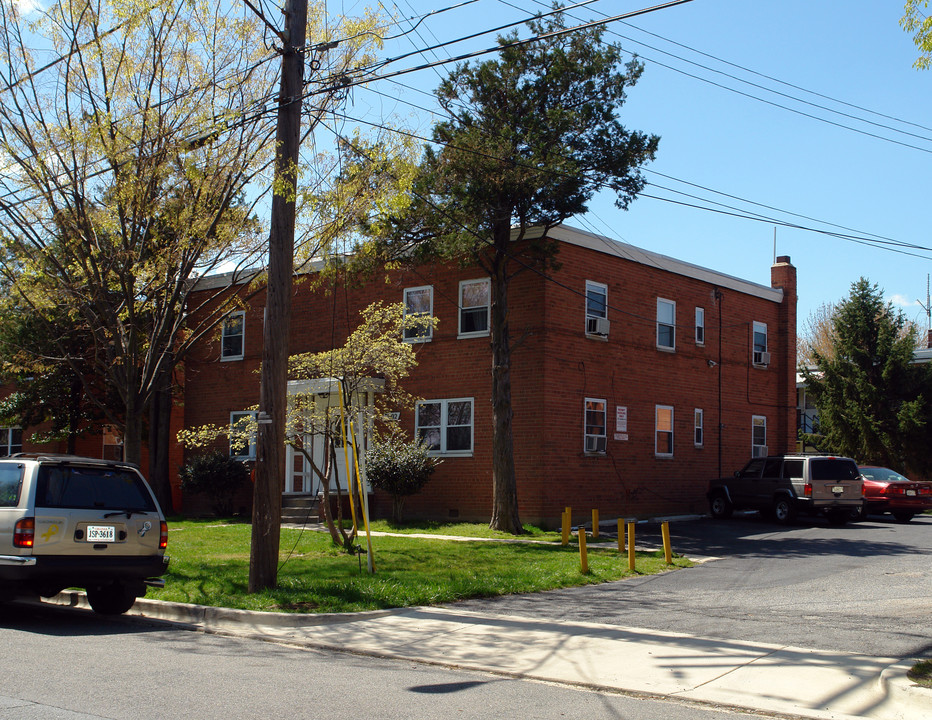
(504, 483)
(160, 407)
(132, 431)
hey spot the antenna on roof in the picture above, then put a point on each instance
(928, 308)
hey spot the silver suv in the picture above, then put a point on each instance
(68, 521)
(782, 486)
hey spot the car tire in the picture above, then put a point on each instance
(903, 516)
(720, 506)
(111, 599)
(784, 512)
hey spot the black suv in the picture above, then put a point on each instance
(69, 521)
(784, 485)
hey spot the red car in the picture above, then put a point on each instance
(888, 491)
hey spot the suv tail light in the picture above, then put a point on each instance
(163, 535)
(24, 533)
(807, 490)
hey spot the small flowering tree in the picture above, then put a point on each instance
(373, 356)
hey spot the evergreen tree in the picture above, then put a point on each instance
(873, 400)
(527, 140)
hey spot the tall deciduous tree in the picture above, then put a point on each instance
(126, 163)
(527, 141)
(919, 23)
(875, 403)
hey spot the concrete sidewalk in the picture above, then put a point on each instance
(778, 679)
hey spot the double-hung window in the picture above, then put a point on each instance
(758, 436)
(596, 308)
(419, 304)
(759, 354)
(475, 301)
(11, 441)
(242, 435)
(233, 336)
(697, 428)
(663, 431)
(666, 324)
(595, 424)
(445, 426)
(700, 326)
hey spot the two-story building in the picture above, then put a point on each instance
(636, 378)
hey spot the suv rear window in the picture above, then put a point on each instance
(833, 469)
(11, 480)
(63, 486)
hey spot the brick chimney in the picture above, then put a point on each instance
(783, 276)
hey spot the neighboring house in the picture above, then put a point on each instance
(636, 378)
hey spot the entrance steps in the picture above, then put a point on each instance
(300, 509)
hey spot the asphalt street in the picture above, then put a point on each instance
(865, 587)
(69, 664)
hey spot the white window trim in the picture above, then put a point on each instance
(698, 427)
(252, 441)
(599, 447)
(603, 288)
(657, 409)
(223, 334)
(488, 309)
(444, 405)
(700, 326)
(758, 450)
(762, 328)
(672, 303)
(430, 330)
(7, 448)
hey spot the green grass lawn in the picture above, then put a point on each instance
(210, 566)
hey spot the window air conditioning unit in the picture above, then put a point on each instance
(595, 444)
(760, 451)
(597, 326)
(761, 358)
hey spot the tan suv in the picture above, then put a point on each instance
(68, 521)
(783, 486)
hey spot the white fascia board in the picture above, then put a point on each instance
(599, 243)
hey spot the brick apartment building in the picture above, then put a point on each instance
(636, 377)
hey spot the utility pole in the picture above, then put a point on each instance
(273, 391)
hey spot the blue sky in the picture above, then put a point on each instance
(852, 51)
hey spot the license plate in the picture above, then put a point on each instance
(911, 493)
(100, 533)
(838, 489)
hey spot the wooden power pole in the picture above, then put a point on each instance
(273, 392)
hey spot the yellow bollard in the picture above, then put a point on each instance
(583, 555)
(621, 536)
(595, 524)
(667, 550)
(631, 546)
(565, 519)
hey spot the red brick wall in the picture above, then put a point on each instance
(554, 367)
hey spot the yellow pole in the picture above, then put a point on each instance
(667, 550)
(349, 474)
(583, 555)
(370, 561)
(621, 535)
(595, 524)
(565, 520)
(631, 546)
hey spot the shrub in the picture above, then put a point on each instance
(216, 475)
(399, 467)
